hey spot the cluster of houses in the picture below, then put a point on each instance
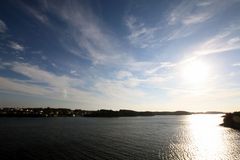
(41, 112)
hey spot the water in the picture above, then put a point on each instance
(159, 137)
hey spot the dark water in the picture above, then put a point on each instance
(158, 137)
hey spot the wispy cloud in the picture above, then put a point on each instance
(87, 36)
(159, 66)
(41, 76)
(123, 74)
(3, 27)
(16, 46)
(12, 85)
(153, 75)
(194, 12)
(43, 83)
(41, 17)
(38, 14)
(194, 19)
(204, 3)
(226, 40)
(236, 65)
(140, 35)
(118, 89)
(123, 91)
(186, 17)
(90, 37)
(79, 97)
(179, 33)
(46, 84)
(182, 21)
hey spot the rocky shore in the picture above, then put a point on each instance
(232, 120)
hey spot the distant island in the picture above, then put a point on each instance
(65, 112)
(232, 120)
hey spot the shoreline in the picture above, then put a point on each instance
(232, 120)
(65, 112)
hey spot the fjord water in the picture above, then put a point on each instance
(157, 137)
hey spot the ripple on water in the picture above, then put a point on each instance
(159, 137)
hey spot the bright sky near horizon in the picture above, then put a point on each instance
(129, 54)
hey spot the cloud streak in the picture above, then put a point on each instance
(226, 40)
(16, 46)
(46, 84)
(195, 12)
(92, 38)
(49, 85)
(140, 35)
(3, 27)
(194, 19)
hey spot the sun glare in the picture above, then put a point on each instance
(207, 140)
(195, 73)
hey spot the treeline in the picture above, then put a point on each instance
(64, 112)
(232, 120)
(129, 113)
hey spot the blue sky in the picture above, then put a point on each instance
(140, 55)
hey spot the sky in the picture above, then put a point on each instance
(130, 54)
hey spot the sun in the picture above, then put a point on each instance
(195, 73)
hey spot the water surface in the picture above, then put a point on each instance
(158, 137)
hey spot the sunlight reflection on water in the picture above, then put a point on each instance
(200, 137)
(207, 138)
